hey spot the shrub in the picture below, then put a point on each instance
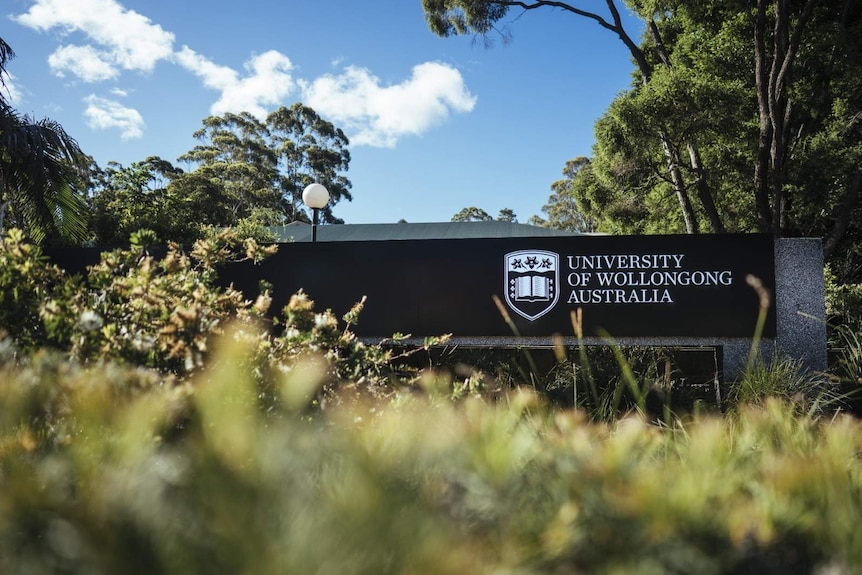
(163, 312)
(843, 303)
(785, 379)
(152, 477)
(27, 282)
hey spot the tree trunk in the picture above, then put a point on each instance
(764, 141)
(842, 221)
(704, 194)
(672, 157)
(775, 110)
(778, 103)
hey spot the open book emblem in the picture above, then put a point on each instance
(531, 282)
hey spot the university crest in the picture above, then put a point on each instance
(532, 279)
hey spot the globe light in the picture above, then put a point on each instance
(315, 196)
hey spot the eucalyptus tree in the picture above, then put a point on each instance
(751, 108)
(507, 215)
(235, 155)
(41, 173)
(784, 118)
(474, 214)
(262, 166)
(308, 149)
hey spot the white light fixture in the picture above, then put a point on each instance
(315, 196)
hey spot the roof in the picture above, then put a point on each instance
(301, 231)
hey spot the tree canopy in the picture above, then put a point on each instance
(740, 117)
(41, 173)
(245, 172)
(474, 214)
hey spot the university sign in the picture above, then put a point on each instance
(683, 290)
(644, 286)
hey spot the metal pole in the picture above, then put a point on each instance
(314, 225)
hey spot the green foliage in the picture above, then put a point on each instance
(107, 469)
(258, 225)
(472, 214)
(41, 174)
(144, 196)
(248, 174)
(507, 215)
(843, 302)
(27, 282)
(169, 432)
(131, 307)
(345, 368)
(784, 379)
(576, 203)
(267, 164)
(451, 17)
(162, 312)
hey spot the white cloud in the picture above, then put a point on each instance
(120, 39)
(104, 114)
(119, 92)
(10, 90)
(267, 84)
(214, 76)
(85, 62)
(130, 41)
(378, 116)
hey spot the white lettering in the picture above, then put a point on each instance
(579, 279)
(619, 296)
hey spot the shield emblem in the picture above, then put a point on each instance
(532, 279)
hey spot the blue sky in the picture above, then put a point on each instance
(436, 124)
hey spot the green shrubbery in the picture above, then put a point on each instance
(162, 313)
(110, 470)
(151, 422)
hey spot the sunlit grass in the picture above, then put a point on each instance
(111, 470)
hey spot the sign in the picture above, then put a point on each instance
(626, 286)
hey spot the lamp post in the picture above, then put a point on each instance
(315, 196)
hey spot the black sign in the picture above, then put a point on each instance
(626, 286)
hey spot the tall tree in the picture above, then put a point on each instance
(507, 215)
(236, 155)
(265, 165)
(474, 214)
(41, 173)
(125, 199)
(793, 68)
(309, 149)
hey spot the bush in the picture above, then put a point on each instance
(147, 476)
(27, 281)
(163, 313)
(785, 379)
(298, 449)
(843, 304)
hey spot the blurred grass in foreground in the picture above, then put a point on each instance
(107, 469)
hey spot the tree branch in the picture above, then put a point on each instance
(616, 26)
